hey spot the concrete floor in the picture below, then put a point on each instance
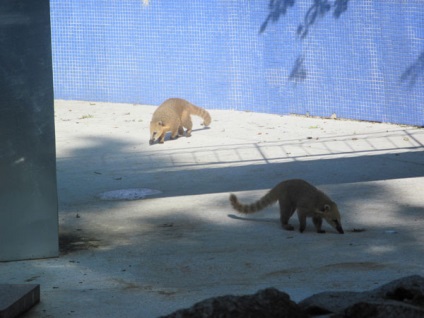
(149, 257)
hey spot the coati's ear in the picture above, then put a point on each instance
(324, 210)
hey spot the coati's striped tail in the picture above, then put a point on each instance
(198, 111)
(262, 203)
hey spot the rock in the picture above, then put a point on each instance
(389, 309)
(400, 298)
(269, 303)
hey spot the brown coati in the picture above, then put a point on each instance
(292, 195)
(172, 115)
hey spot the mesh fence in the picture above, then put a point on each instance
(350, 59)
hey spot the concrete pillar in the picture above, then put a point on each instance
(28, 193)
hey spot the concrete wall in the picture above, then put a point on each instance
(358, 59)
(28, 196)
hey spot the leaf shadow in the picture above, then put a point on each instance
(317, 10)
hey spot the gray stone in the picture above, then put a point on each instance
(400, 298)
(268, 303)
(386, 309)
(15, 299)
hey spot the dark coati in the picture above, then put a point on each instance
(172, 115)
(292, 195)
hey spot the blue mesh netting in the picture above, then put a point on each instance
(356, 59)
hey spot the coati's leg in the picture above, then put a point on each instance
(162, 138)
(181, 131)
(318, 223)
(173, 138)
(187, 123)
(174, 133)
(302, 220)
(286, 211)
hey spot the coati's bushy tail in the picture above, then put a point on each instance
(262, 203)
(198, 111)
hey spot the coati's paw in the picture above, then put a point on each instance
(161, 141)
(320, 231)
(173, 138)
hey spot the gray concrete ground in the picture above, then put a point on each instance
(147, 258)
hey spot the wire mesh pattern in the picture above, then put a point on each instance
(350, 59)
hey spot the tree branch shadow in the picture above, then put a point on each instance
(316, 11)
(276, 8)
(413, 73)
(298, 73)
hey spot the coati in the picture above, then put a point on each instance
(292, 195)
(172, 115)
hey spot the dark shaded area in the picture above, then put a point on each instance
(414, 72)
(119, 169)
(258, 176)
(317, 10)
(411, 295)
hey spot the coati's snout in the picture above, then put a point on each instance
(338, 227)
(152, 138)
(332, 215)
(155, 139)
(156, 129)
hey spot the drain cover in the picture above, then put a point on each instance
(127, 194)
